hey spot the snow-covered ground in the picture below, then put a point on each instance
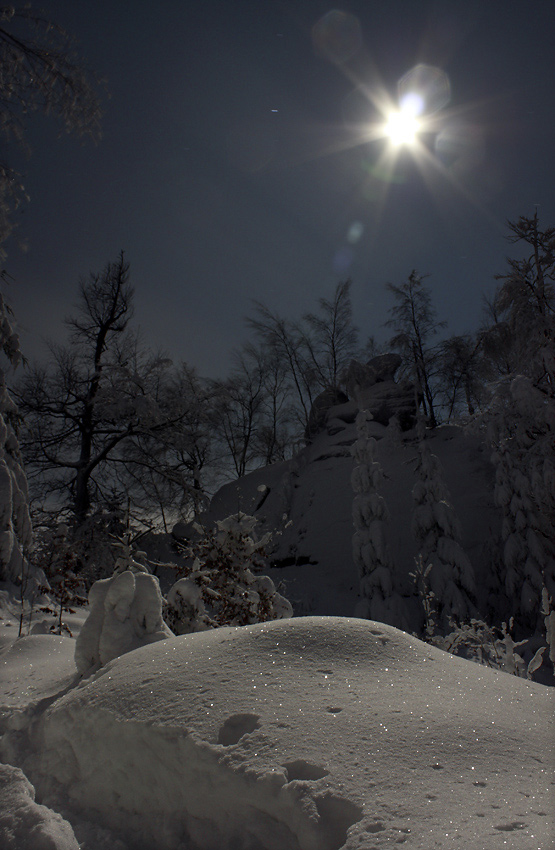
(315, 733)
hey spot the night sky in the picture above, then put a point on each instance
(237, 162)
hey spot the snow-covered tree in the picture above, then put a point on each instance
(223, 586)
(380, 598)
(15, 522)
(522, 432)
(521, 422)
(437, 531)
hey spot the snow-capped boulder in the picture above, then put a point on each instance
(125, 613)
(318, 415)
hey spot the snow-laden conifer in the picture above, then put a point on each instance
(437, 531)
(380, 598)
(522, 433)
(521, 425)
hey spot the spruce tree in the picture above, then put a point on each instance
(437, 531)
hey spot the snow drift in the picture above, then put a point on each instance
(23, 823)
(307, 734)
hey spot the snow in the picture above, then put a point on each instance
(313, 733)
(23, 823)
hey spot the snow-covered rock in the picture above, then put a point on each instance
(387, 399)
(380, 368)
(303, 734)
(320, 410)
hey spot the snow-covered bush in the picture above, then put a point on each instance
(125, 613)
(477, 641)
(380, 598)
(484, 644)
(223, 585)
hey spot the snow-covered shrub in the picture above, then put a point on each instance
(125, 613)
(487, 645)
(437, 531)
(128, 556)
(474, 639)
(15, 522)
(549, 619)
(223, 585)
(380, 599)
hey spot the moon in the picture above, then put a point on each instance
(402, 127)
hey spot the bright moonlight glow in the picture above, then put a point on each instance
(402, 127)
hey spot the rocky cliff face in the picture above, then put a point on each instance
(307, 503)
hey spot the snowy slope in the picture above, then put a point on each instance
(306, 734)
(308, 500)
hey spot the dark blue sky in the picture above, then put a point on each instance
(232, 164)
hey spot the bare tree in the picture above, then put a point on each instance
(15, 523)
(330, 338)
(40, 73)
(315, 351)
(462, 373)
(282, 337)
(102, 393)
(414, 319)
(241, 398)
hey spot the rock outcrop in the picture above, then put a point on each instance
(370, 386)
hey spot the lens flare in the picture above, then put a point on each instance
(427, 84)
(337, 36)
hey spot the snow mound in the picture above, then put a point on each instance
(24, 825)
(306, 734)
(32, 669)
